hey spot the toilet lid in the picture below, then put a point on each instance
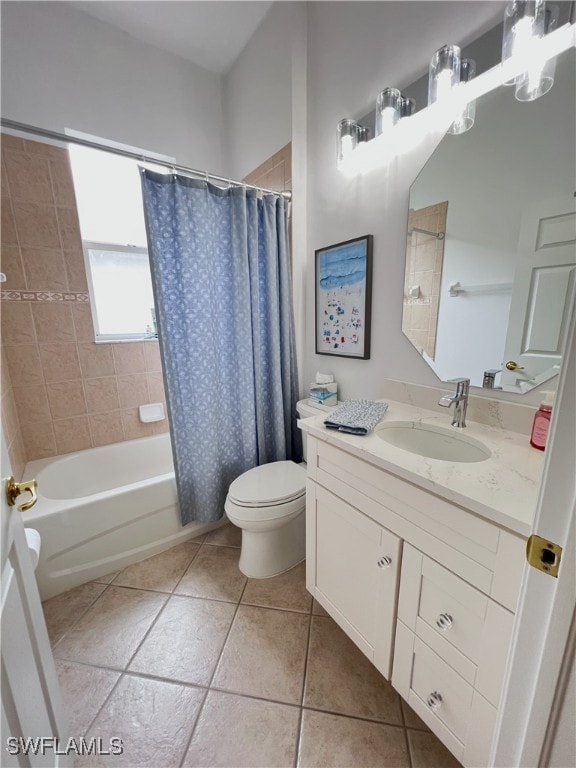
(274, 483)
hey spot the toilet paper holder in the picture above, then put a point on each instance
(14, 489)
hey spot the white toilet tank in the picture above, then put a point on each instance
(305, 409)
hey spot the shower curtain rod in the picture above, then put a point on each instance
(62, 137)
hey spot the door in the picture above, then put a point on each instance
(31, 701)
(539, 309)
(356, 567)
(534, 723)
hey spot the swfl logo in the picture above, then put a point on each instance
(43, 745)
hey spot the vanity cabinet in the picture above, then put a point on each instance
(424, 587)
(354, 556)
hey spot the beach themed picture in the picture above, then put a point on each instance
(343, 296)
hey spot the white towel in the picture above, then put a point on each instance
(358, 417)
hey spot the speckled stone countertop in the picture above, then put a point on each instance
(503, 488)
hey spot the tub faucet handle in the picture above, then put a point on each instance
(14, 489)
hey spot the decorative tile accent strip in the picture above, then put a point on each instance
(43, 296)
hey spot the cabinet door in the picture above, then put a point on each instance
(353, 568)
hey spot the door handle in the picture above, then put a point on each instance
(512, 365)
(14, 489)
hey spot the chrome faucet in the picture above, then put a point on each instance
(460, 401)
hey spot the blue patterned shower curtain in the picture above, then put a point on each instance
(221, 275)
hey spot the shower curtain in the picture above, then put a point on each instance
(221, 275)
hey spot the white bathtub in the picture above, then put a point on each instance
(101, 509)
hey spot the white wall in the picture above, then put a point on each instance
(351, 56)
(61, 68)
(257, 92)
(516, 154)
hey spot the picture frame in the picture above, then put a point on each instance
(343, 290)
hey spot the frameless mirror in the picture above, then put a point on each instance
(490, 258)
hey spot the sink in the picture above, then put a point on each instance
(433, 442)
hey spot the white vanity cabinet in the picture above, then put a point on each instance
(425, 588)
(356, 569)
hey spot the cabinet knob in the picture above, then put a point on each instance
(434, 700)
(444, 621)
(385, 562)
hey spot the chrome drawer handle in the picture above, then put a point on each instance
(444, 621)
(434, 701)
(385, 562)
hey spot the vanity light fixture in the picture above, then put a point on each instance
(444, 73)
(363, 134)
(539, 77)
(407, 107)
(523, 24)
(465, 119)
(387, 109)
(348, 137)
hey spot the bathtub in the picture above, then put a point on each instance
(101, 509)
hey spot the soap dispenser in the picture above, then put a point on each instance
(541, 423)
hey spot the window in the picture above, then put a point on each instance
(120, 291)
(111, 214)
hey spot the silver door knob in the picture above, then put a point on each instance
(385, 562)
(434, 700)
(444, 621)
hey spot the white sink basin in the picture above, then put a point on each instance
(433, 442)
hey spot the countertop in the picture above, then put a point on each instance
(503, 488)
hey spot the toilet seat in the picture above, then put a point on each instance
(268, 492)
(269, 485)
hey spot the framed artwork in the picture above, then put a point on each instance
(343, 298)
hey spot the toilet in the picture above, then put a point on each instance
(268, 503)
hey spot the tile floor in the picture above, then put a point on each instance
(192, 664)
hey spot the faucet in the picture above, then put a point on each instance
(460, 401)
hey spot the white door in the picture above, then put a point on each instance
(545, 273)
(31, 700)
(535, 726)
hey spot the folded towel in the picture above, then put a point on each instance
(358, 417)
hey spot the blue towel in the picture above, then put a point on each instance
(358, 417)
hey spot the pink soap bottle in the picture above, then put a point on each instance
(541, 423)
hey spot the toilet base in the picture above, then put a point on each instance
(269, 553)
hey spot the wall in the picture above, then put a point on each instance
(61, 68)
(342, 85)
(69, 392)
(274, 173)
(257, 92)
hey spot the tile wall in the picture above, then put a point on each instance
(275, 173)
(61, 391)
(424, 260)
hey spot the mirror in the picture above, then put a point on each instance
(490, 257)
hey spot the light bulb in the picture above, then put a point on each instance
(347, 146)
(443, 84)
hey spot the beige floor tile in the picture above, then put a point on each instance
(63, 611)
(411, 719)
(317, 609)
(237, 731)
(107, 579)
(287, 591)
(265, 654)
(428, 752)
(84, 690)
(333, 741)
(214, 573)
(161, 572)
(226, 536)
(186, 641)
(154, 719)
(340, 678)
(111, 630)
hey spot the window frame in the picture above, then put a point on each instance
(107, 338)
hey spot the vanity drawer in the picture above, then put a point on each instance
(464, 627)
(461, 718)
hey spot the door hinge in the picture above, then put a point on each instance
(543, 555)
